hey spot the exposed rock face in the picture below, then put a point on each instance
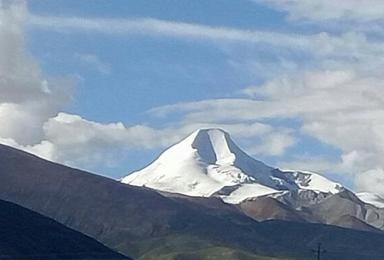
(347, 203)
(266, 208)
(343, 209)
(299, 199)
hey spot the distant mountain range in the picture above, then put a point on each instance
(209, 164)
(209, 200)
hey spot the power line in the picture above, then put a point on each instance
(319, 251)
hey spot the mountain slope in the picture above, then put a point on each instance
(144, 224)
(266, 208)
(28, 235)
(344, 203)
(208, 163)
(349, 221)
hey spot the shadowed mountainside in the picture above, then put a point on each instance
(25, 234)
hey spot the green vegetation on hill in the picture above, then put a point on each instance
(182, 247)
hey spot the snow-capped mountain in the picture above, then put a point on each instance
(208, 163)
(129, 218)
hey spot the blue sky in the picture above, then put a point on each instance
(148, 71)
(115, 82)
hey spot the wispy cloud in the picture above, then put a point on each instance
(370, 10)
(95, 62)
(347, 45)
(165, 28)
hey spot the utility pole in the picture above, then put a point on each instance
(319, 251)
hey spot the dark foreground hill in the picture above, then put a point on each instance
(144, 224)
(25, 234)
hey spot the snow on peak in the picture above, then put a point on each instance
(211, 146)
(313, 181)
(214, 146)
(208, 163)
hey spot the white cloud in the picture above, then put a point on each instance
(284, 86)
(311, 163)
(75, 141)
(166, 28)
(347, 45)
(94, 62)
(27, 98)
(273, 144)
(368, 10)
(344, 109)
(372, 180)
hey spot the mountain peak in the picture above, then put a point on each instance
(210, 130)
(207, 163)
(202, 164)
(213, 145)
(202, 136)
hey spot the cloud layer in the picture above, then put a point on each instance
(340, 108)
(332, 88)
